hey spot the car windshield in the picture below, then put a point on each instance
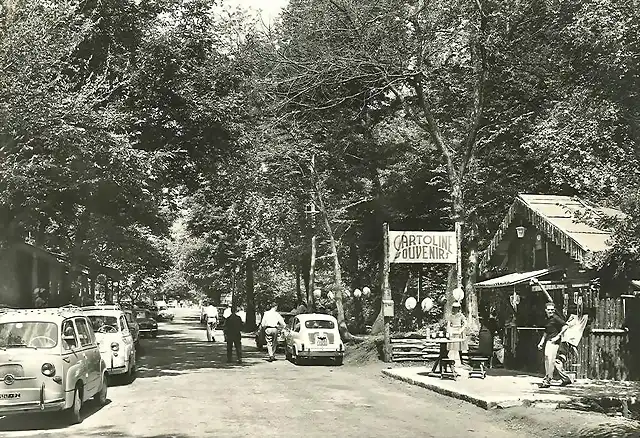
(31, 334)
(141, 314)
(99, 322)
(319, 324)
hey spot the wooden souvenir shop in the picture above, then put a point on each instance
(541, 238)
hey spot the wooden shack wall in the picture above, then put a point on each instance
(604, 351)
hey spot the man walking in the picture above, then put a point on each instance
(272, 321)
(233, 335)
(553, 331)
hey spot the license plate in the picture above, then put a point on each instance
(9, 396)
(322, 342)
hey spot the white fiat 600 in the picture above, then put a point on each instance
(114, 338)
(49, 361)
(313, 336)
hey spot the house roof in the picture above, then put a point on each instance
(555, 216)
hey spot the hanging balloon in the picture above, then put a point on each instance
(427, 304)
(410, 303)
(317, 293)
(347, 293)
(331, 295)
(366, 291)
(458, 294)
(357, 293)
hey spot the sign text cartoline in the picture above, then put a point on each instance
(422, 247)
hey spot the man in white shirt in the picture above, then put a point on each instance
(211, 319)
(272, 321)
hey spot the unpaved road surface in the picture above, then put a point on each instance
(185, 389)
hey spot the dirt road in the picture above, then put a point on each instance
(185, 389)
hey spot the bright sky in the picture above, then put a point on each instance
(270, 8)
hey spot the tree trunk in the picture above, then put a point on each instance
(76, 254)
(311, 305)
(250, 323)
(299, 295)
(470, 280)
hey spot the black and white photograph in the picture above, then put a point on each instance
(320, 218)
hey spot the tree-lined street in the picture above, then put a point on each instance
(185, 389)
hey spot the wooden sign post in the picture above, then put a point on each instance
(418, 247)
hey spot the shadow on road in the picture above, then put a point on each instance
(178, 350)
(47, 420)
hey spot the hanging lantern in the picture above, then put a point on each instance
(410, 303)
(331, 295)
(357, 293)
(458, 294)
(317, 293)
(427, 304)
(366, 291)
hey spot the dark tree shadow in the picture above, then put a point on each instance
(46, 420)
(176, 352)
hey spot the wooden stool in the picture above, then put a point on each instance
(477, 367)
(448, 369)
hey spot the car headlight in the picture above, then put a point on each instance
(48, 369)
(115, 346)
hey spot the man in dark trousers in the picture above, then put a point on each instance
(233, 334)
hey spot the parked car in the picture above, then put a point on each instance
(165, 313)
(148, 325)
(133, 326)
(313, 336)
(261, 339)
(115, 339)
(49, 361)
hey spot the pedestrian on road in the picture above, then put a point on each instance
(272, 321)
(553, 331)
(233, 335)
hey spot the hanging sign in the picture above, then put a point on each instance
(422, 247)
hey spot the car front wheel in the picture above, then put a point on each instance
(101, 396)
(75, 414)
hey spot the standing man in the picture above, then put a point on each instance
(233, 334)
(272, 321)
(553, 331)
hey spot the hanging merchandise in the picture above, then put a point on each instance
(580, 308)
(514, 299)
(565, 304)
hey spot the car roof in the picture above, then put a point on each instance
(319, 316)
(102, 310)
(49, 314)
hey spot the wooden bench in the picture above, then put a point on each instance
(448, 369)
(478, 366)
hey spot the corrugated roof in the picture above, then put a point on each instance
(555, 216)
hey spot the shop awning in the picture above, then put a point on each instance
(635, 284)
(515, 278)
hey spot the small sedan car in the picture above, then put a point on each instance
(314, 336)
(49, 361)
(261, 339)
(133, 326)
(114, 338)
(148, 325)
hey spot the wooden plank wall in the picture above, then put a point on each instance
(601, 353)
